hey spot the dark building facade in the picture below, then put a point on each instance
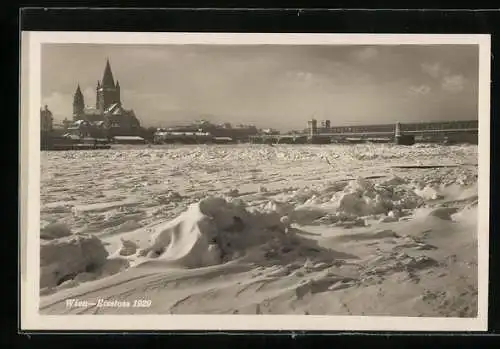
(108, 117)
(46, 120)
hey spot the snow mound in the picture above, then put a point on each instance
(428, 192)
(444, 213)
(355, 201)
(54, 231)
(211, 232)
(467, 216)
(362, 197)
(128, 248)
(62, 259)
(351, 203)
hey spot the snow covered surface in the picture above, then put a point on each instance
(247, 229)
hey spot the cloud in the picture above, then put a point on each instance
(419, 90)
(453, 83)
(434, 70)
(303, 76)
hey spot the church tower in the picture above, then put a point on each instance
(118, 100)
(78, 103)
(107, 92)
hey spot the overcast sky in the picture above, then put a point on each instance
(270, 86)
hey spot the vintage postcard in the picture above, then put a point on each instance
(183, 181)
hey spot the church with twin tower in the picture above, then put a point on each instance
(108, 112)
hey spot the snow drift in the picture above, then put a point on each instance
(211, 232)
(64, 258)
(217, 230)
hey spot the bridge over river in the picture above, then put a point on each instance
(455, 131)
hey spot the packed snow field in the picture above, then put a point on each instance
(255, 229)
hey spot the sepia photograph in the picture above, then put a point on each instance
(331, 181)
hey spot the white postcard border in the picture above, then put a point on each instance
(30, 191)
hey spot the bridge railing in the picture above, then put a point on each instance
(430, 131)
(373, 133)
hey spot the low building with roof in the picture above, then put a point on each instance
(128, 140)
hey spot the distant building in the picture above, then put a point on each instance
(88, 129)
(325, 124)
(108, 116)
(312, 127)
(46, 120)
(66, 123)
(203, 131)
(270, 131)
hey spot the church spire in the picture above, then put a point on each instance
(78, 97)
(107, 78)
(78, 102)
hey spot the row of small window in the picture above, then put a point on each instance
(407, 127)
(362, 129)
(441, 126)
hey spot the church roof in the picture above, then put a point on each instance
(113, 108)
(107, 78)
(78, 91)
(116, 109)
(78, 97)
